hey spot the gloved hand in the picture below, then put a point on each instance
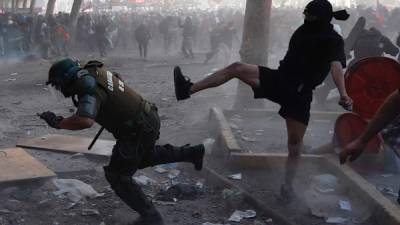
(51, 119)
(352, 150)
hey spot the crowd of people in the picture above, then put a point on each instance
(156, 32)
(141, 31)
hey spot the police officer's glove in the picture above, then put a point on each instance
(51, 119)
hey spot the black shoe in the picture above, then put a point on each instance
(151, 219)
(182, 84)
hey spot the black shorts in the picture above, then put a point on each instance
(275, 86)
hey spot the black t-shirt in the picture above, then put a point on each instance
(310, 54)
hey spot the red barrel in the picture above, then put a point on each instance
(370, 81)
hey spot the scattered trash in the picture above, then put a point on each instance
(89, 212)
(237, 176)
(143, 180)
(387, 191)
(335, 220)
(325, 183)
(14, 74)
(77, 155)
(387, 175)
(228, 193)
(173, 173)
(238, 215)
(160, 169)
(4, 211)
(269, 221)
(10, 79)
(248, 139)
(178, 191)
(345, 205)
(75, 189)
(164, 203)
(200, 184)
(234, 126)
(43, 201)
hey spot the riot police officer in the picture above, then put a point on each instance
(101, 96)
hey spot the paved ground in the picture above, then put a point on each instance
(23, 95)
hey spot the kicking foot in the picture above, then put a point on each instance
(182, 84)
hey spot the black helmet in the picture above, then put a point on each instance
(62, 75)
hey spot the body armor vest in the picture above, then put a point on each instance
(119, 110)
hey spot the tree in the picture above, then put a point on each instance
(254, 49)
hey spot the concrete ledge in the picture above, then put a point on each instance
(224, 131)
(217, 180)
(263, 160)
(385, 212)
(257, 113)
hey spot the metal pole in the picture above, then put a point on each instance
(254, 49)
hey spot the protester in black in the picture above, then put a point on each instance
(315, 49)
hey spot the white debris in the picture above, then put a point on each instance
(387, 191)
(336, 220)
(387, 175)
(143, 180)
(77, 155)
(207, 223)
(160, 169)
(325, 183)
(75, 189)
(173, 173)
(237, 176)
(164, 203)
(345, 205)
(238, 215)
(90, 212)
(10, 79)
(14, 74)
(200, 184)
(269, 221)
(248, 139)
(4, 211)
(234, 126)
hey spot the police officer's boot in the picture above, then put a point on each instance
(171, 154)
(130, 193)
(193, 154)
